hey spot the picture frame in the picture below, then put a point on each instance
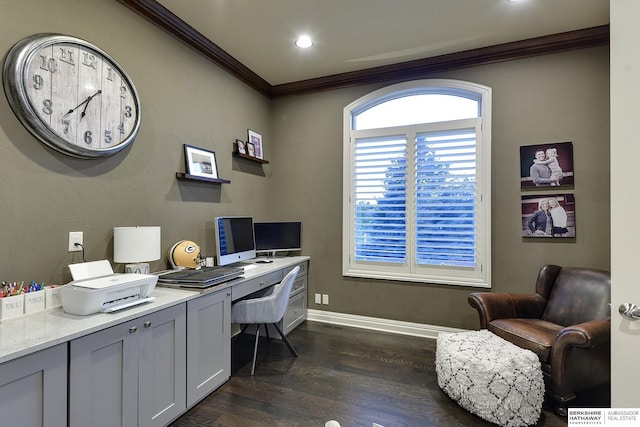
(546, 165)
(549, 215)
(200, 162)
(241, 146)
(251, 149)
(256, 139)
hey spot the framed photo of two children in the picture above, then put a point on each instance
(547, 167)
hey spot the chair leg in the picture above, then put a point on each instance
(293, 351)
(255, 350)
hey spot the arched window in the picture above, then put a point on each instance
(417, 183)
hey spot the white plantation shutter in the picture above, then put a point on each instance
(380, 178)
(417, 202)
(445, 195)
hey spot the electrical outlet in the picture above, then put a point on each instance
(325, 299)
(318, 299)
(75, 237)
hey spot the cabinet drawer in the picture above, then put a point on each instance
(299, 285)
(252, 285)
(296, 312)
(303, 269)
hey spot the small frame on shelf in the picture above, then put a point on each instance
(200, 162)
(251, 152)
(241, 147)
(256, 140)
(247, 150)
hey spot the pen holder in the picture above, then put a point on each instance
(34, 301)
(11, 307)
(53, 298)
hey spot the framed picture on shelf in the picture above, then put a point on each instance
(251, 149)
(256, 139)
(241, 146)
(200, 162)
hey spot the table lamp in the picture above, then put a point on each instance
(136, 245)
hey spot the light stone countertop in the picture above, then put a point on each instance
(34, 332)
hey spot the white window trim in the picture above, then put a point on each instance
(478, 277)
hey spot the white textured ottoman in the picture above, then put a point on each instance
(490, 377)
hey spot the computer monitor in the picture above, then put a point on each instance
(234, 239)
(275, 237)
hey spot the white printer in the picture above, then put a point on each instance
(95, 288)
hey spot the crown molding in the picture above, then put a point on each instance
(544, 45)
(165, 19)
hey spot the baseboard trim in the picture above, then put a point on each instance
(377, 324)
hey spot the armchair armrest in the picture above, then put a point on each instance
(589, 365)
(584, 335)
(501, 305)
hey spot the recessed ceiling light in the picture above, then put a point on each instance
(304, 42)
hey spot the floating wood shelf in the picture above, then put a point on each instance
(251, 158)
(188, 177)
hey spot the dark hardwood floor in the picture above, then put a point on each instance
(354, 376)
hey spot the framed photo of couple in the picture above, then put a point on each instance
(546, 165)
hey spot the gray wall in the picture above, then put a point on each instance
(555, 98)
(186, 99)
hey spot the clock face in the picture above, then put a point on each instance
(71, 95)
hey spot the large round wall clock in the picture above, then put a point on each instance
(71, 95)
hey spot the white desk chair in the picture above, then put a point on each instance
(265, 310)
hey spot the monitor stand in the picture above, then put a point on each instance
(267, 254)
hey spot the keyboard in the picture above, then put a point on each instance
(201, 278)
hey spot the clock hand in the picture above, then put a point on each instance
(84, 112)
(86, 101)
(77, 106)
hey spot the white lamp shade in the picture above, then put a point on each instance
(136, 244)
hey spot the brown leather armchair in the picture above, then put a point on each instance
(567, 323)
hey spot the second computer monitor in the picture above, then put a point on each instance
(281, 236)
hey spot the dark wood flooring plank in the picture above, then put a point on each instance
(351, 375)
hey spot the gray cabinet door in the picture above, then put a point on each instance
(33, 389)
(132, 374)
(162, 366)
(103, 378)
(208, 344)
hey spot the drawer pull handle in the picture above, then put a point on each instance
(133, 329)
(147, 324)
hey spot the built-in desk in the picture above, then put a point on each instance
(260, 276)
(47, 371)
